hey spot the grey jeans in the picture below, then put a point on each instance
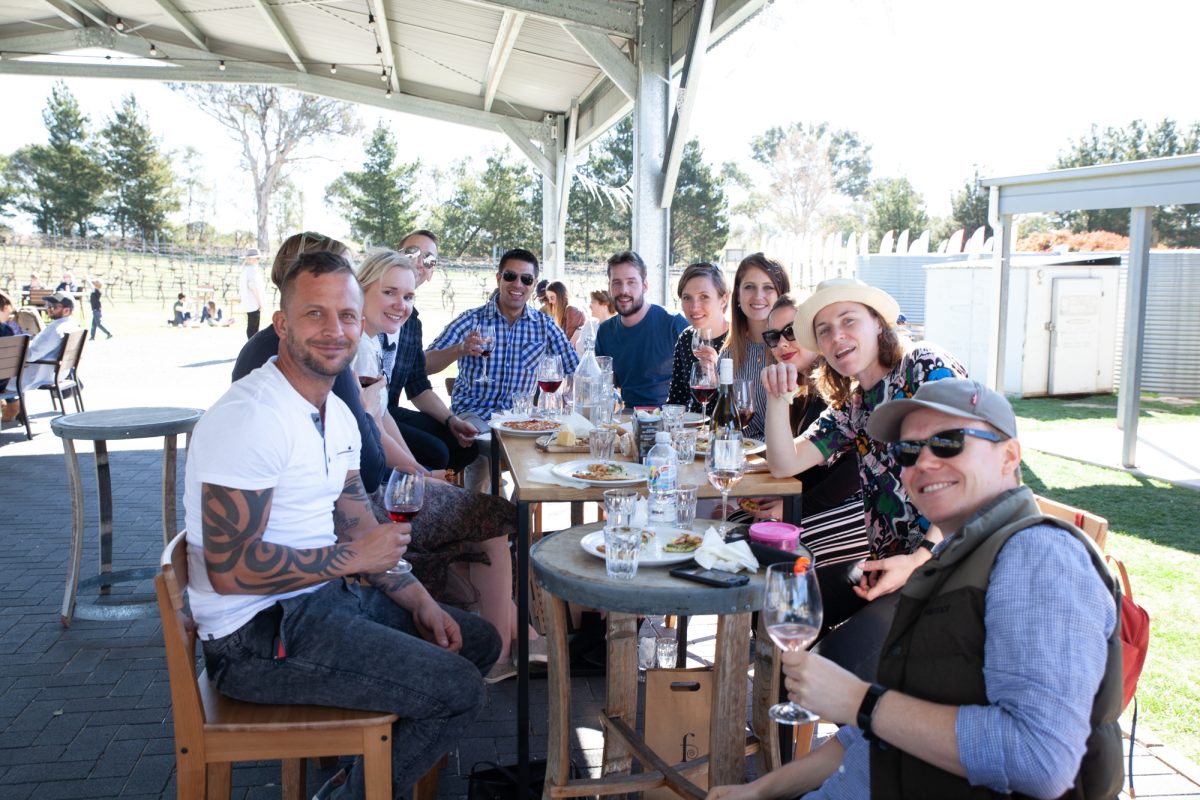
(350, 646)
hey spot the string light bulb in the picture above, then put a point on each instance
(370, 19)
(120, 24)
(383, 75)
(388, 93)
(221, 66)
(378, 49)
(333, 69)
(153, 49)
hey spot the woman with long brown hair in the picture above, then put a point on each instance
(558, 306)
(757, 284)
(703, 300)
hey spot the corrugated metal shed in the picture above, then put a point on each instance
(1171, 346)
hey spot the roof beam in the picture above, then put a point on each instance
(83, 7)
(689, 85)
(506, 40)
(68, 12)
(284, 37)
(58, 41)
(608, 57)
(606, 16)
(521, 138)
(189, 29)
(383, 35)
(567, 162)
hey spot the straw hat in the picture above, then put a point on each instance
(840, 290)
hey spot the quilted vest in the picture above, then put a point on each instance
(934, 651)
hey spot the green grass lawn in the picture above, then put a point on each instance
(1153, 530)
(1040, 413)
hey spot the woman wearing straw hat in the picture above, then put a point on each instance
(866, 364)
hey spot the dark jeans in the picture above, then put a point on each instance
(97, 324)
(350, 646)
(252, 318)
(432, 444)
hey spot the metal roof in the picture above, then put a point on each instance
(508, 65)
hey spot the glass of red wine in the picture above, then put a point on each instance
(793, 614)
(487, 331)
(402, 498)
(703, 381)
(743, 398)
(549, 378)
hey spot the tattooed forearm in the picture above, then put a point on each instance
(388, 583)
(239, 561)
(350, 508)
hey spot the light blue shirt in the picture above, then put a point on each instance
(1048, 617)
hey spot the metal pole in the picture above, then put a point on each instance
(1135, 330)
(651, 118)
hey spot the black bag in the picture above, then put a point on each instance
(492, 781)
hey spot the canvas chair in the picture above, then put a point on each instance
(1091, 524)
(66, 366)
(12, 364)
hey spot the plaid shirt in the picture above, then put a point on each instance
(513, 363)
(408, 369)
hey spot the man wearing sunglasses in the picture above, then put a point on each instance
(1001, 674)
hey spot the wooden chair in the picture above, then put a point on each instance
(1091, 524)
(30, 321)
(66, 376)
(212, 731)
(37, 297)
(12, 364)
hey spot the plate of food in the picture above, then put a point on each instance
(693, 418)
(660, 548)
(597, 473)
(525, 427)
(749, 446)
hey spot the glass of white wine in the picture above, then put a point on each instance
(793, 615)
(725, 464)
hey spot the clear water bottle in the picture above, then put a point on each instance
(662, 480)
(588, 380)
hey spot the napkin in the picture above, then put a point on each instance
(715, 553)
(545, 474)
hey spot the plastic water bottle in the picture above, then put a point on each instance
(662, 480)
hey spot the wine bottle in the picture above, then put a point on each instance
(724, 413)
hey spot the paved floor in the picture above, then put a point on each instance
(85, 711)
(1168, 451)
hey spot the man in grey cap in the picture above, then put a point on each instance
(1001, 674)
(252, 291)
(43, 350)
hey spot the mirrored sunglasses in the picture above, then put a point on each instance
(946, 444)
(772, 337)
(510, 276)
(427, 260)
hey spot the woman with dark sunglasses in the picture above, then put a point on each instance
(866, 364)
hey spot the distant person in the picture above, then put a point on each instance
(8, 317)
(211, 314)
(566, 316)
(252, 292)
(183, 316)
(641, 338)
(35, 282)
(94, 301)
(60, 307)
(601, 305)
(704, 300)
(67, 284)
(540, 291)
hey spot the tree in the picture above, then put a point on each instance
(288, 210)
(1176, 226)
(377, 201)
(895, 205)
(699, 211)
(197, 198)
(498, 208)
(141, 185)
(274, 127)
(60, 183)
(599, 217)
(808, 167)
(969, 207)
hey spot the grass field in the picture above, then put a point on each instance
(1039, 413)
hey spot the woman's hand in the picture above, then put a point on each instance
(707, 354)
(780, 379)
(372, 398)
(886, 575)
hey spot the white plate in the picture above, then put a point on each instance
(636, 472)
(504, 426)
(652, 554)
(750, 446)
(693, 418)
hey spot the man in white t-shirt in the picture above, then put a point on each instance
(253, 294)
(60, 307)
(279, 528)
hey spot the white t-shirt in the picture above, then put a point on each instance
(251, 278)
(368, 361)
(262, 434)
(45, 346)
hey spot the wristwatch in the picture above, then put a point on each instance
(866, 711)
(927, 545)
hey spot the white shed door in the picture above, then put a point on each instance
(1075, 335)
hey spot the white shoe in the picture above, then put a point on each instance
(500, 671)
(539, 651)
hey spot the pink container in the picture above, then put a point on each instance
(782, 535)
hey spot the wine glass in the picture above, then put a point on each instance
(703, 381)
(743, 398)
(725, 463)
(549, 377)
(701, 337)
(402, 498)
(487, 331)
(792, 612)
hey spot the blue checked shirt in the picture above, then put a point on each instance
(1044, 599)
(512, 365)
(407, 370)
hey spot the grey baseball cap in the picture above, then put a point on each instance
(961, 397)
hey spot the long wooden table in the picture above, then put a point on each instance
(522, 456)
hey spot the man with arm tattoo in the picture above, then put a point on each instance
(280, 530)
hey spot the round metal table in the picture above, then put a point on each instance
(100, 427)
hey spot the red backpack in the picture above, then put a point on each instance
(1135, 636)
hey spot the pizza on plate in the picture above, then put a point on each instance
(683, 543)
(601, 472)
(531, 425)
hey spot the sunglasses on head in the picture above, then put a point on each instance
(772, 337)
(946, 444)
(510, 276)
(427, 260)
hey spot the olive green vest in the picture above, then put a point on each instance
(934, 651)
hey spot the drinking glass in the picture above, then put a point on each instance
(622, 545)
(522, 403)
(600, 444)
(703, 382)
(743, 398)
(672, 416)
(701, 337)
(725, 464)
(549, 378)
(792, 612)
(667, 651)
(685, 505)
(618, 507)
(403, 497)
(684, 442)
(487, 331)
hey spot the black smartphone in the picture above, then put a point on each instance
(711, 577)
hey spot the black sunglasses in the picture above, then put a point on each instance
(946, 444)
(427, 260)
(772, 337)
(510, 276)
